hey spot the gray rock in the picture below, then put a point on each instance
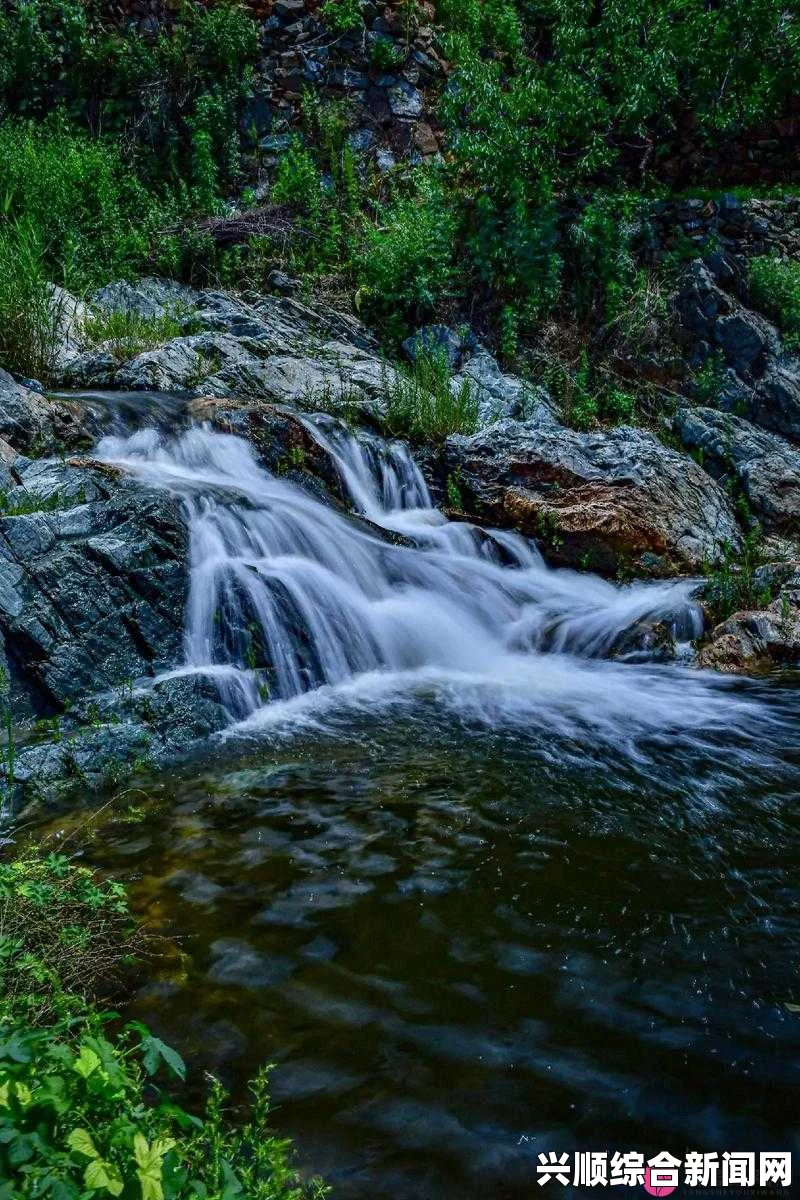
(91, 594)
(454, 344)
(748, 341)
(37, 424)
(151, 297)
(500, 396)
(766, 467)
(404, 100)
(618, 500)
(776, 401)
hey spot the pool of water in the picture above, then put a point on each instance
(463, 946)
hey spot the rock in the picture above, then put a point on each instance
(757, 640)
(92, 591)
(613, 501)
(766, 467)
(149, 298)
(35, 424)
(281, 283)
(404, 100)
(500, 395)
(776, 401)
(271, 348)
(748, 342)
(454, 344)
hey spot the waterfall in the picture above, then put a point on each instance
(293, 606)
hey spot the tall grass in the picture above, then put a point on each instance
(423, 403)
(30, 312)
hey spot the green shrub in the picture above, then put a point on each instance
(406, 264)
(775, 289)
(81, 1114)
(385, 55)
(126, 333)
(422, 404)
(93, 219)
(153, 92)
(342, 16)
(732, 584)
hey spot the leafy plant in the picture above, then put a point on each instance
(775, 289)
(126, 333)
(30, 311)
(342, 16)
(82, 1108)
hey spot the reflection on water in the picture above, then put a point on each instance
(460, 950)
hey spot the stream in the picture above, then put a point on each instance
(477, 888)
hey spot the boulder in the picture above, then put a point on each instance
(32, 423)
(93, 581)
(762, 638)
(273, 348)
(500, 395)
(776, 400)
(766, 467)
(616, 501)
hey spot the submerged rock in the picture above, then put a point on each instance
(613, 501)
(766, 467)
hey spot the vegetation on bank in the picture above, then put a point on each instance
(86, 1101)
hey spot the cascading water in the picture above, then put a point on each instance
(299, 612)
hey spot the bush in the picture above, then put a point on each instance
(775, 289)
(406, 265)
(423, 404)
(126, 333)
(153, 92)
(80, 1112)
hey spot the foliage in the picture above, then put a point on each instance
(732, 584)
(161, 93)
(385, 55)
(342, 16)
(775, 289)
(423, 403)
(405, 263)
(78, 203)
(584, 395)
(30, 312)
(709, 380)
(81, 1114)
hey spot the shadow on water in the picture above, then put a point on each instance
(463, 946)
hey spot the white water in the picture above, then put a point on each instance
(302, 616)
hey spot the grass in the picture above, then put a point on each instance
(422, 403)
(86, 1108)
(126, 333)
(30, 314)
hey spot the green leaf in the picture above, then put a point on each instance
(86, 1063)
(150, 1161)
(80, 1141)
(155, 1051)
(103, 1176)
